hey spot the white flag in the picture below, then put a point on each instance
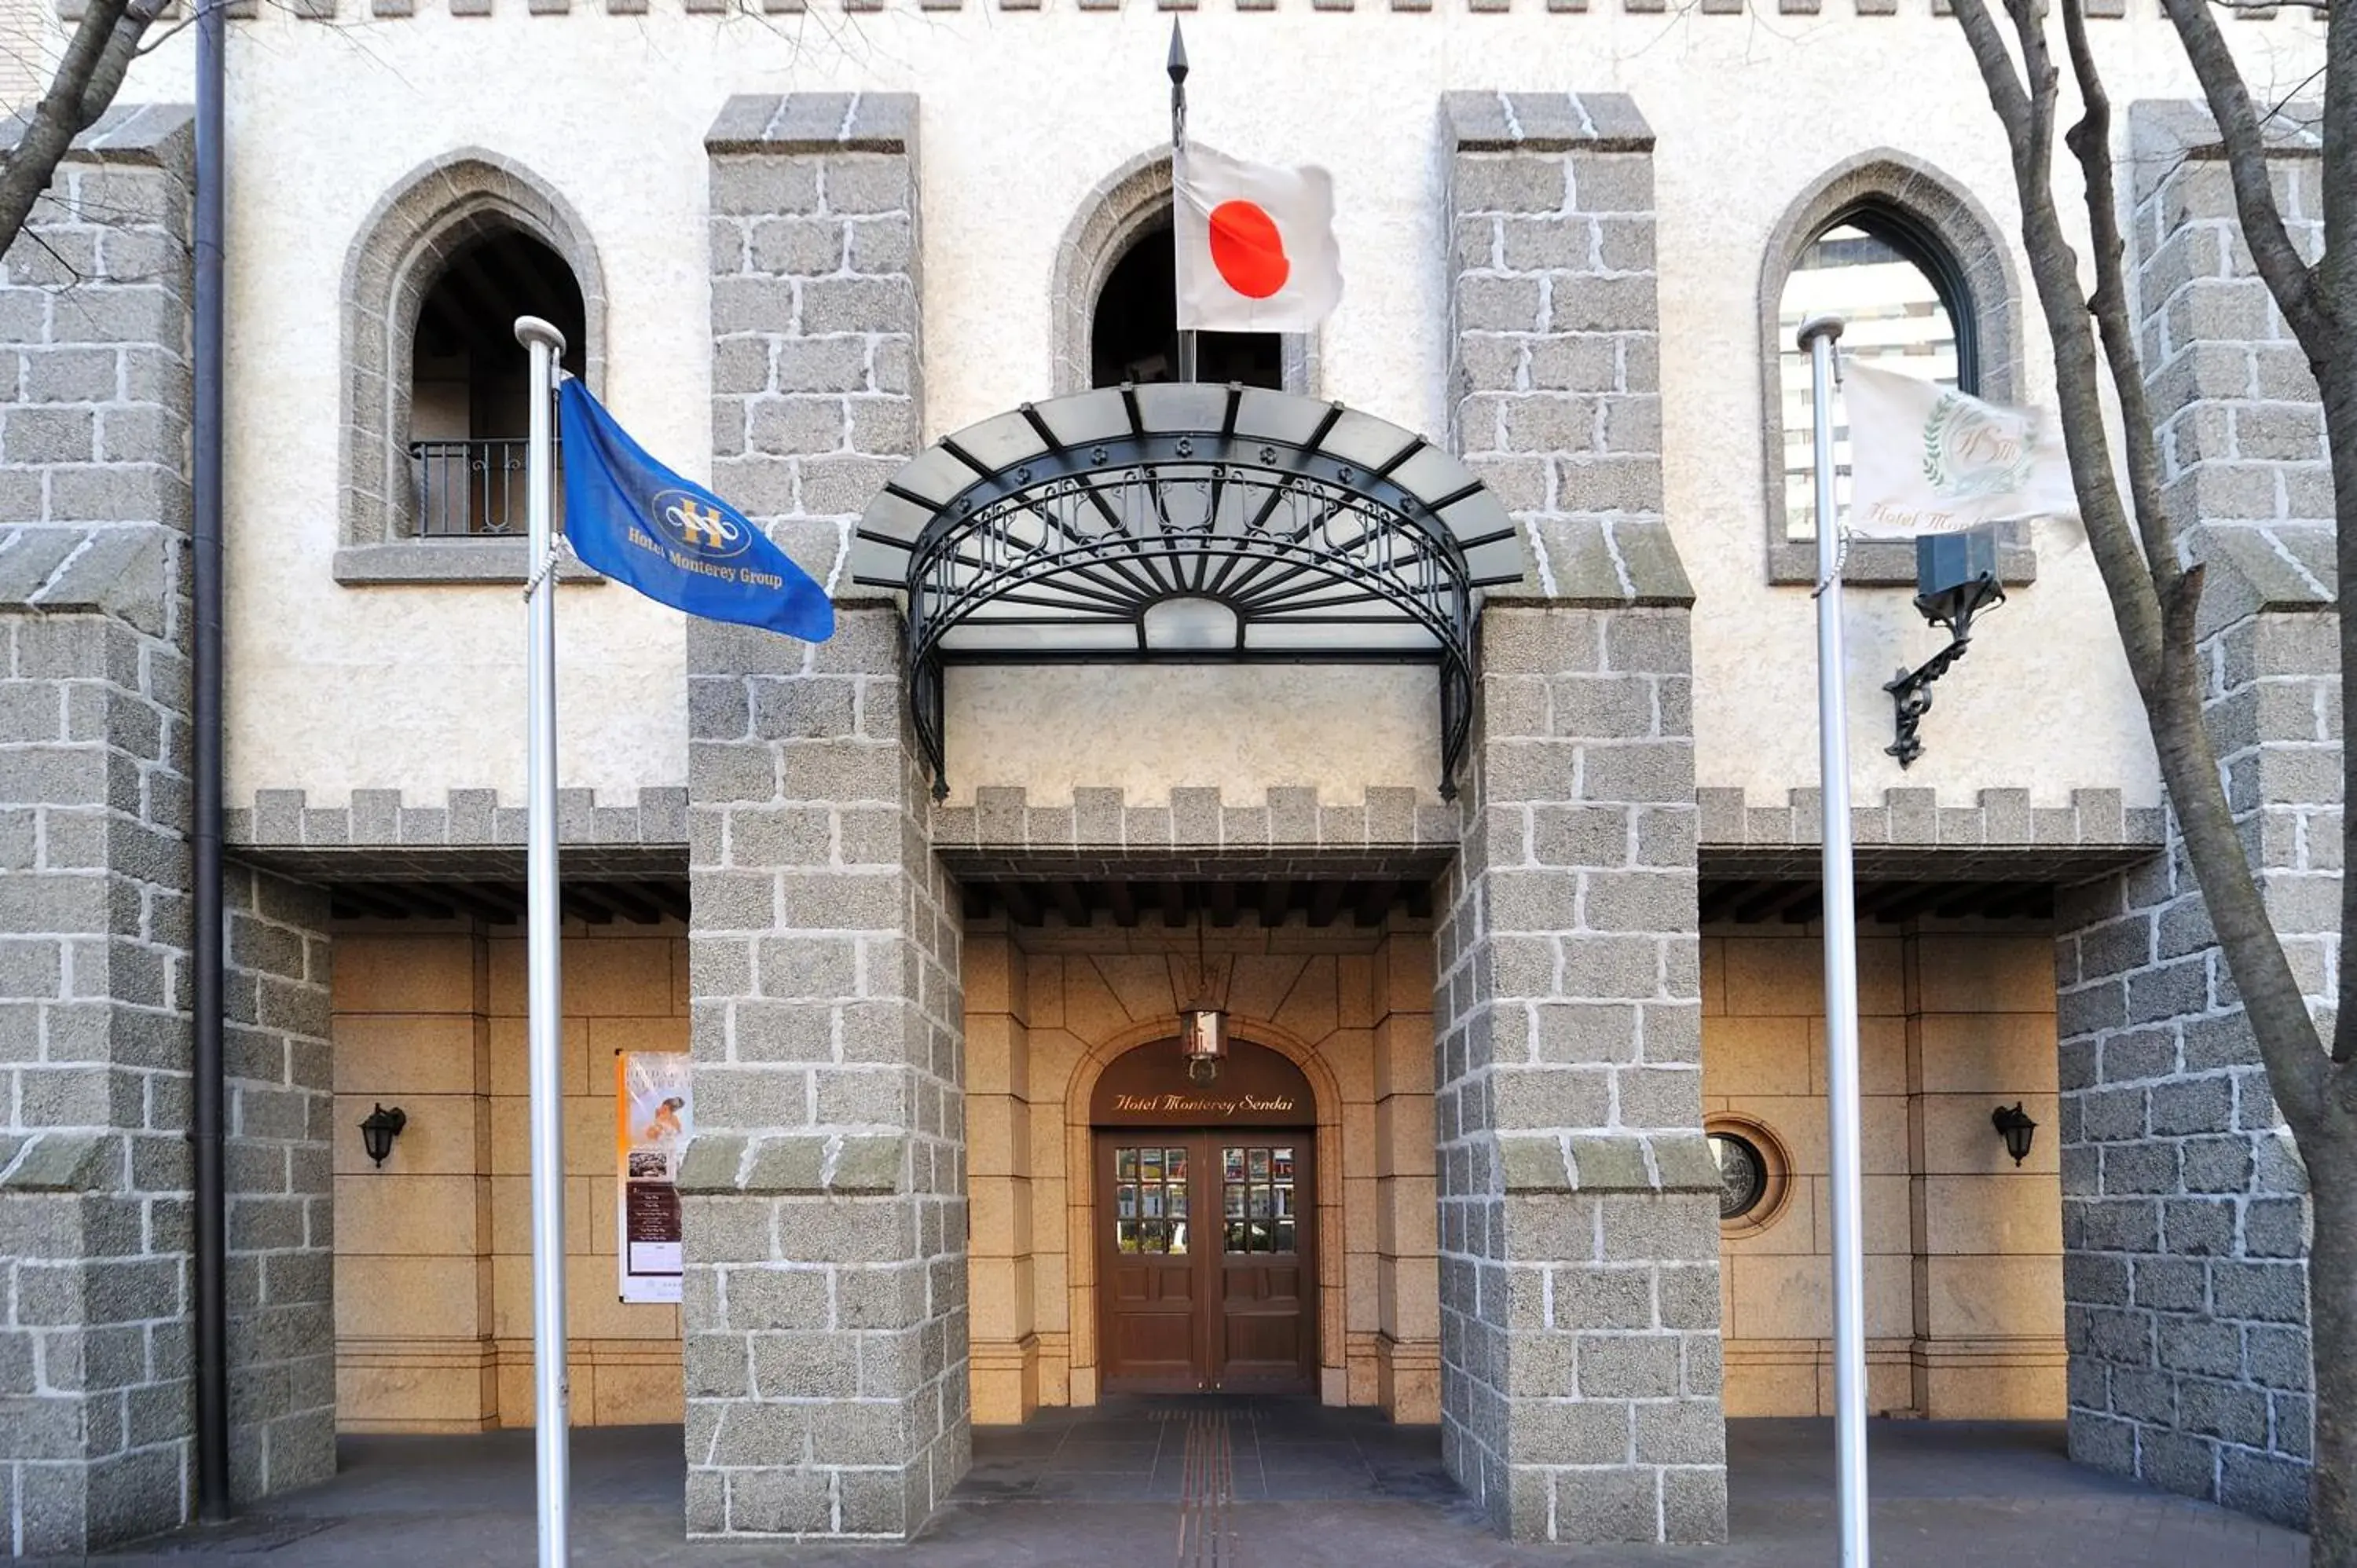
(1256, 250)
(1929, 459)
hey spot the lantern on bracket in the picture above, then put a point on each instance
(379, 1128)
(2014, 1125)
(1204, 1017)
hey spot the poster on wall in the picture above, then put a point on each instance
(651, 1092)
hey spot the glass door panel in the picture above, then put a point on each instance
(1150, 1199)
(1258, 1203)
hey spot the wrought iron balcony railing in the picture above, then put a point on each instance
(473, 488)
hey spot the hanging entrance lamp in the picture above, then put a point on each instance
(1203, 1018)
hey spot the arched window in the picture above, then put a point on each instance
(433, 375)
(1905, 306)
(469, 409)
(1922, 283)
(1134, 332)
(1114, 306)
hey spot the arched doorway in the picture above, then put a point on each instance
(1206, 1224)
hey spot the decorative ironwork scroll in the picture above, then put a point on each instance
(1187, 523)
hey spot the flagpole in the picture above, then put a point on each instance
(1840, 920)
(551, 1396)
(1178, 68)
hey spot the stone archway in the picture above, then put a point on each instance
(1205, 1234)
(1081, 1196)
(438, 209)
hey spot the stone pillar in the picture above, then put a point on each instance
(95, 866)
(1579, 1240)
(1003, 1275)
(825, 1298)
(1407, 1263)
(282, 1207)
(2184, 1216)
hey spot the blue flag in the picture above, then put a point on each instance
(635, 520)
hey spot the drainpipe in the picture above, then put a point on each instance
(211, 1221)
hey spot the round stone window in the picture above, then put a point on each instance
(1754, 1173)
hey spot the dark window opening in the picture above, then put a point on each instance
(468, 412)
(1135, 334)
(1906, 306)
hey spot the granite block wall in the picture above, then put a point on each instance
(280, 1123)
(2185, 1220)
(1580, 1286)
(826, 1317)
(94, 865)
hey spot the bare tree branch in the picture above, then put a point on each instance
(2278, 259)
(2091, 142)
(86, 82)
(2156, 613)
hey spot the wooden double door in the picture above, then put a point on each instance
(1207, 1260)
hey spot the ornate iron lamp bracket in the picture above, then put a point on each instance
(1911, 691)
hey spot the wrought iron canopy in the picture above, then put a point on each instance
(1192, 523)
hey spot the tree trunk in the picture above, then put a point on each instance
(2331, 1156)
(2337, 384)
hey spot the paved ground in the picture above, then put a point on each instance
(1239, 1484)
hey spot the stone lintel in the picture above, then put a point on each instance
(2162, 132)
(123, 570)
(1602, 564)
(1546, 123)
(815, 123)
(155, 134)
(2289, 567)
(407, 562)
(65, 1162)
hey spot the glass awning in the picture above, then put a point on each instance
(1185, 522)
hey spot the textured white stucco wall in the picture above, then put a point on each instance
(1022, 113)
(1235, 729)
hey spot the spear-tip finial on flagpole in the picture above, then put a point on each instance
(1178, 68)
(531, 329)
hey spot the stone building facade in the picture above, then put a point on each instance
(1534, 931)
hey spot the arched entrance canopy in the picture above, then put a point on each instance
(1190, 523)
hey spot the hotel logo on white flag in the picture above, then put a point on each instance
(1256, 244)
(1929, 459)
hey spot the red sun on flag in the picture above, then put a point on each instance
(1248, 248)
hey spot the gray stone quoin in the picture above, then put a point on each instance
(824, 1189)
(1578, 1228)
(95, 1336)
(2184, 1210)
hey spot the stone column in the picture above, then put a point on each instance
(825, 1310)
(1003, 1274)
(1579, 1240)
(281, 1207)
(95, 866)
(2184, 1214)
(1407, 1281)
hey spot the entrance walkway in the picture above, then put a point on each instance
(1241, 1484)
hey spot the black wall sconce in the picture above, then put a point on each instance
(1956, 579)
(379, 1128)
(2014, 1125)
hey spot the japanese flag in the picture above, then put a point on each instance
(1256, 249)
